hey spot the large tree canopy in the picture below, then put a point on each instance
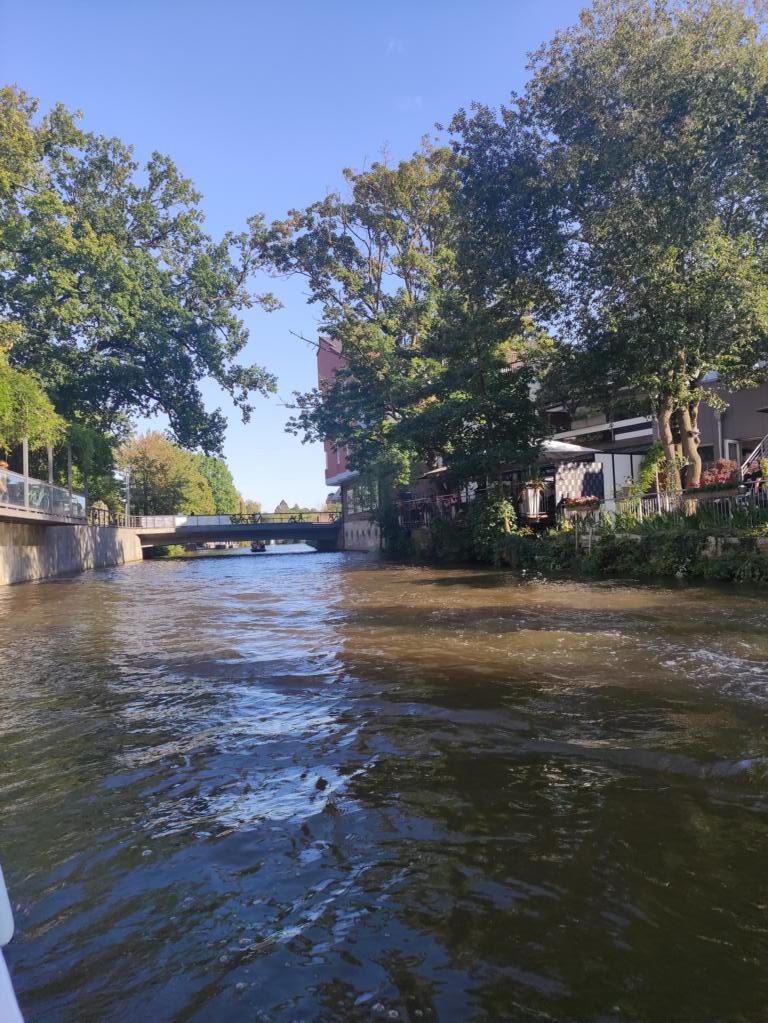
(429, 360)
(651, 117)
(164, 479)
(110, 289)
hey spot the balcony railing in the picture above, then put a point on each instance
(23, 493)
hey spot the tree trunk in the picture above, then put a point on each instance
(668, 443)
(689, 433)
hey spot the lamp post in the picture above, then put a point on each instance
(128, 496)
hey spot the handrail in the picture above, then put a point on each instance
(756, 455)
(105, 517)
(253, 519)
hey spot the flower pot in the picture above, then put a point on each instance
(531, 502)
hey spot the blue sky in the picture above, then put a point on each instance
(262, 105)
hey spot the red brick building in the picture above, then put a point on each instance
(358, 500)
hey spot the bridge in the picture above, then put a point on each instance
(320, 530)
(24, 499)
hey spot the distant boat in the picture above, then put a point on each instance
(258, 547)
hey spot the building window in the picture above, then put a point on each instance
(362, 497)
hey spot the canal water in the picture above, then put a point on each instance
(320, 788)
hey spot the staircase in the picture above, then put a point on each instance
(760, 452)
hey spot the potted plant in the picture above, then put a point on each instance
(531, 498)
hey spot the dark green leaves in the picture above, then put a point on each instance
(124, 303)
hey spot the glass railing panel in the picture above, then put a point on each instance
(11, 488)
(41, 497)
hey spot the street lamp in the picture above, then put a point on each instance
(128, 495)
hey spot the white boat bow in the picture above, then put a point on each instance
(9, 1007)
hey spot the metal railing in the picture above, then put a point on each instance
(416, 512)
(255, 519)
(45, 499)
(757, 455)
(105, 517)
(743, 506)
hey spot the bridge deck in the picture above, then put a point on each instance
(154, 531)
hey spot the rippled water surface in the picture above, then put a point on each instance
(319, 788)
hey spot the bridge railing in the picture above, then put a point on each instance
(105, 517)
(255, 519)
(28, 494)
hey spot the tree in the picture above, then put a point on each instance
(165, 479)
(115, 294)
(26, 410)
(93, 457)
(283, 508)
(251, 507)
(652, 117)
(429, 363)
(226, 499)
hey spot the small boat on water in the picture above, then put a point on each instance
(258, 547)
(9, 1008)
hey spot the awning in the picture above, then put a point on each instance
(555, 448)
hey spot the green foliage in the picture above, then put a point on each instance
(396, 541)
(641, 137)
(655, 160)
(484, 532)
(492, 522)
(109, 287)
(165, 479)
(738, 565)
(92, 451)
(226, 499)
(682, 554)
(93, 458)
(428, 345)
(25, 410)
(653, 466)
(171, 550)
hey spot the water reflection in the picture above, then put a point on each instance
(325, 789)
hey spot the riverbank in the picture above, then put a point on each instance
(629, 556)
(653, 552)
(31, 551)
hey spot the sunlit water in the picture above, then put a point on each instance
(319, 788)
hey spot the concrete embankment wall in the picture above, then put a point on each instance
(361, 533)
(31, 551)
